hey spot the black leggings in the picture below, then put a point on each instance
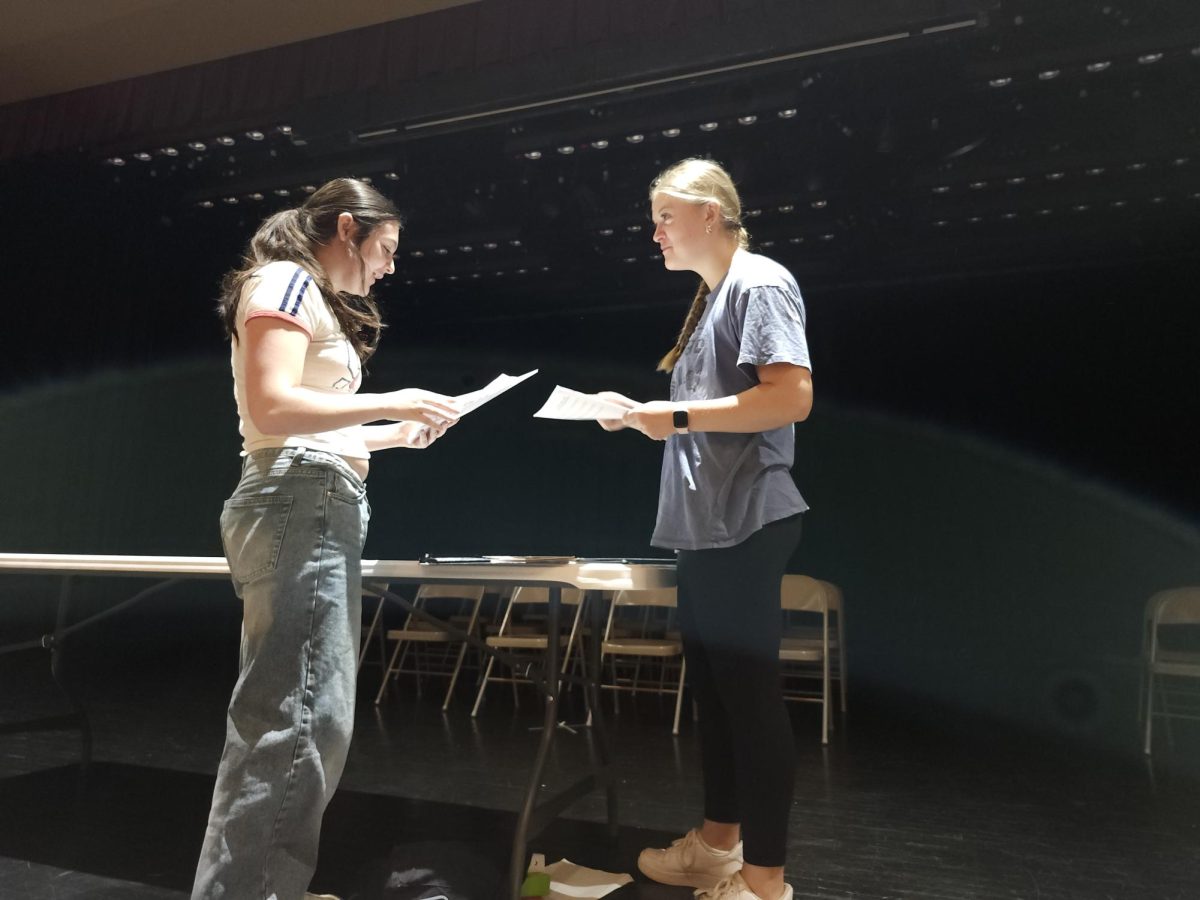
(731, 622)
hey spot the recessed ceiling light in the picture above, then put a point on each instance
(1000, 82)
(1048, 75)
(709, 126)
(1098, 66)
(1147, 59)
(255, 135)
(533, 154)
(635, 138)
(226, 141)
(748, 120)
(670, 132)
(1015, 180)
(787, 114)
(566, 149)
(142, 156)
(198, 146)
(600, 144)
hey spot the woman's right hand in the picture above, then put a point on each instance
(620, 400)
(416, 405)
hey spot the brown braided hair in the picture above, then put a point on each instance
(294, 235)
(700, 181)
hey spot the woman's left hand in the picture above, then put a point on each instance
(418, 436)
(654, 419)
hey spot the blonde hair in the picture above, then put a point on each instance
(700, 181)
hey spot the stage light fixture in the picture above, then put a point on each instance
(417, 254)
(231, 201)
(255, 135)
(1055, 176)
(566, 149)
(205, 204)
(747, 120)
(786, 208)
(533, 154)
(1180, 161)
(670, 132)
(255, 196)
(1098, 66)
(281, 192)
(709, 126)
(198, 146)
(974, 220)
(142, 156)
(466, 248)
(600, 144)
(226, 141)
(796, 240)
(391, 176)
(816, 204)
(1049, 74)
(514, 243)
(115, 161)
(633, 229)
(606, 232)
(978, 185)
(285, 129)
(1136, 166)
(1008, 216)
(940, 223)
(1148, 59)
(1044, 212)
(941, 189)
(1157, 200)
(1000, 82)
(1095, 170)
(308, 188)
(828, 236)
(635, 138)
(1081, 207)
(1015, 180)
(440, 251)
(787, 114)
(489, 245)
(631, 259)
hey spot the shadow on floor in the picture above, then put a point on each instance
(144, 825)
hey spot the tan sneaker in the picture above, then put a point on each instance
(690, 862)
(734, 888)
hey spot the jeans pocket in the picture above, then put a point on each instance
(252, 530)
(343, 487)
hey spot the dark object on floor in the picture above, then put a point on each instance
(429, 870)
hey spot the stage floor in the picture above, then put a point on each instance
(897, 806)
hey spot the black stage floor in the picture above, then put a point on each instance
(902, 804)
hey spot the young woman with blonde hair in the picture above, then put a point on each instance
(301, 321)
(740, 377)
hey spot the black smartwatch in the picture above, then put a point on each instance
(679, 418)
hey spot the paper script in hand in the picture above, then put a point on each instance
(498, 385)
(564, 403)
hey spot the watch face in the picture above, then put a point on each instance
(680, 418)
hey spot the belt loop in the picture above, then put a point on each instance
(298, 456)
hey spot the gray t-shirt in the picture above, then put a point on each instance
(719, 488)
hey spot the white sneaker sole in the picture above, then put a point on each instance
(680, 879)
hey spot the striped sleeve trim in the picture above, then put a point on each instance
(288, 304)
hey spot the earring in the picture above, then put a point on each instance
(708, 229)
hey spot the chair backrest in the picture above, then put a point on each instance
(570, 596)
(802, 593)
(1177, 606)
(648, 597)
(833, 596)
(453, 591)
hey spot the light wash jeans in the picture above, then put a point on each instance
(293, 533)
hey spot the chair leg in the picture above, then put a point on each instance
(1149, 712)
(842, 667)
(679, 695)
(387, 672)
(483, 686)
(366, 641)
(462, 652)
